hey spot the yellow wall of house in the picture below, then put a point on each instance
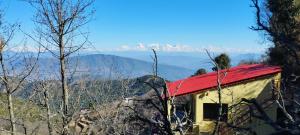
(257, 88)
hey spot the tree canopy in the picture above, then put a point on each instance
(200, 71)
(223, 62)
(279, 20)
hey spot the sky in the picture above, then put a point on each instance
(167, 25)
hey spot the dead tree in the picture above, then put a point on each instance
(220, 76)
(44, 87)
(161, 120)
(158, 102)
(58, 24)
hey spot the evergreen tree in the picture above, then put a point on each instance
(200, 71)
(223, 61)
(279, 20)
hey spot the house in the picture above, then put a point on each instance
(256, 81)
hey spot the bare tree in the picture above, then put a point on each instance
(12, 75)
(160, 121)
(44, 87)
(220, 77)
(157, 108)
(58, 23)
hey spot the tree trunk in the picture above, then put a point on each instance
(46, 98)
(64, 86)
(11, 113)
(8, 92)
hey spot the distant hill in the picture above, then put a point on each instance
(95, 90)
(236, 59)
(191, 61)
(172, 66)
(110, 66)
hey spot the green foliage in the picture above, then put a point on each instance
(250, 61)
(23, 109)
(277, 56)
(200, 72)
(284, 32)
(223, 61)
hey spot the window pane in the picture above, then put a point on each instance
(211, 111)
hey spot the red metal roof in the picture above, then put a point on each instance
(227, 76)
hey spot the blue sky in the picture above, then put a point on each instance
(182, 25)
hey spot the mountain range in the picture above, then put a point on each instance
(188, 60)
(110, 66)
(114, 65)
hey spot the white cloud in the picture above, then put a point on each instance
(186, 48)
(25, 48)
(124, 48)
(177, 48)
(140, 47)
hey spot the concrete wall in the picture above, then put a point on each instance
(259, 88)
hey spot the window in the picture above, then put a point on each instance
(211, 111)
